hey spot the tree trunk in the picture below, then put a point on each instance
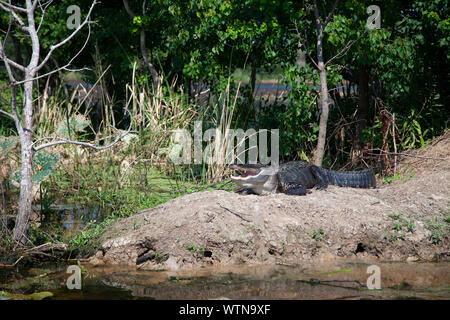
(150, 66)
(26, 184)
(144, 52)
(320, 150)
(363, 103)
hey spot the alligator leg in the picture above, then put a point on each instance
(245, 191)
(323, 181)
(296, 191)
(293, 189)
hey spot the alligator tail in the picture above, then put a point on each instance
(354, 179)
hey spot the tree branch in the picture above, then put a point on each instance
(43, 13)
(13, 6)
(316, 15)
(56, 46)
(143, 46)
(6, 114)
(330, 15)
(8, 61)
(66, 65)
(128, 9)
(346, 48)
(5, 59)
(85, 144)
(14, 14)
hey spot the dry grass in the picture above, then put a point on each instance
(429, 158)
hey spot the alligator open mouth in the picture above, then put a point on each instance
(244, 172)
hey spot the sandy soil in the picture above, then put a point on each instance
(401, 221)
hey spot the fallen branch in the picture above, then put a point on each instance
(317, 281)
(237, 214)
(39, 250)
(405, 154)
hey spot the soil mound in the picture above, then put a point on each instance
(407, 219)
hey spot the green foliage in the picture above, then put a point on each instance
(44, 164)
(7, 144)
(295, 117)
(75, 124)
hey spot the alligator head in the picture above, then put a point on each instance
(259, 178)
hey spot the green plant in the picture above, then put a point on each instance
(401, 226)
(317, 235)
(74, 124)
(194, 248)
(438, 229)
(44, 164)
(398, 176)
(7, 144)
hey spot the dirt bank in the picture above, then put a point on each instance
(406, 219)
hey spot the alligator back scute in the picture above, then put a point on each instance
(354, 179)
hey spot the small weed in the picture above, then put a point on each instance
(317, 235)
(159, 257)
(194, 248)
(401, 226)
(397, 176)
(397, 226)
(392, 237)
(136, 224)
(438, 229)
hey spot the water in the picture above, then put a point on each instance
(342, 280)
(332, 280)
(73, 217)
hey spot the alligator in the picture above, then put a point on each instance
(295, 177)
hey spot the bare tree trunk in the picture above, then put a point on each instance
(149, 65)
(252, 110)
(320, 150)
(363, 103)
(26, 135)
(24, 120)
(26, 141)
(144, 51)
(20, 232)
(324, 101)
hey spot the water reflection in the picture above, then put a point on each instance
(399, 281)
(73, 217)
